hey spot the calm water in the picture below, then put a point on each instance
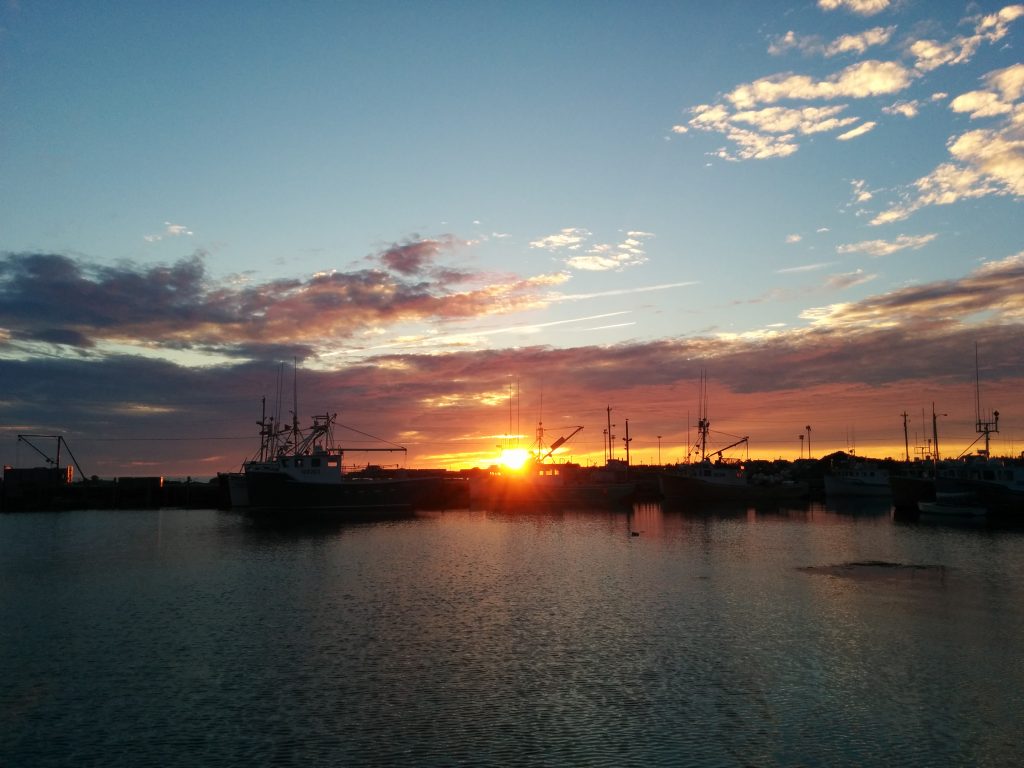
(196, 638)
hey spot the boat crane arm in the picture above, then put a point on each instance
(25, 439)
(560, 442)
(60, 441)
(720, 451)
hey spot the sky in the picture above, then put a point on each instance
(452, 222)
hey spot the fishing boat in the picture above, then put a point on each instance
(548, 484)
(974, 483)
(850, 477)
(717, 478)
(997, 485)
(727, 480)
(302, 470)
(543, 483)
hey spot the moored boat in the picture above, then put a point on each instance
(952, 504)
(852, 477)
(727, 480)
(301, 471)
(543, 484)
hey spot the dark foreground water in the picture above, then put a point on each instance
(181, 638)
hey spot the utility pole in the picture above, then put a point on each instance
(659, 450)
(611, 437)
(801, 436)
(935, 432)
(808, 428)
(627, 440)
(906, 437)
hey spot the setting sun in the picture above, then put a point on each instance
(514, 458)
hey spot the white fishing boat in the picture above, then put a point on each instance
(851, 477)
(301, 470)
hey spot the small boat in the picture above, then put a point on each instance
(952, 504)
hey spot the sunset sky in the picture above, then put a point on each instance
(432, 205)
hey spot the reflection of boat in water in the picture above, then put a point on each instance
(302, 470)
(851, 477)
(952, 504)
(725, 479)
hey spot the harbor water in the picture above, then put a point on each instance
(818, 636)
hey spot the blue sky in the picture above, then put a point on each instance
(412, 188)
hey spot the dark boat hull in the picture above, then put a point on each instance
(520, 493)
(270, 491)
(681, 488)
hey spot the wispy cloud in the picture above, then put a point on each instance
(908, 109)
(984, 161)
(620, 291)
(803, 268)
(415, 256)
(990, 28)
(570, 238)
(48, 299)
(845, 44)
(995, 289)
(758, 127)
(877, 248)
(858, 81)
(860, 130)
(761, 132)
(170, 230)
(595, 257)
(860, 7)
(849, 280)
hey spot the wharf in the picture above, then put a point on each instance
(49, 489)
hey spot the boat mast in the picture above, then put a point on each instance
(295, 402)
(611, 437)
(987, 427)
(703, 425)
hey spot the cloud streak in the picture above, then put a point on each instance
(49, 299)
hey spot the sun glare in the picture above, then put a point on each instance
(514, 458)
